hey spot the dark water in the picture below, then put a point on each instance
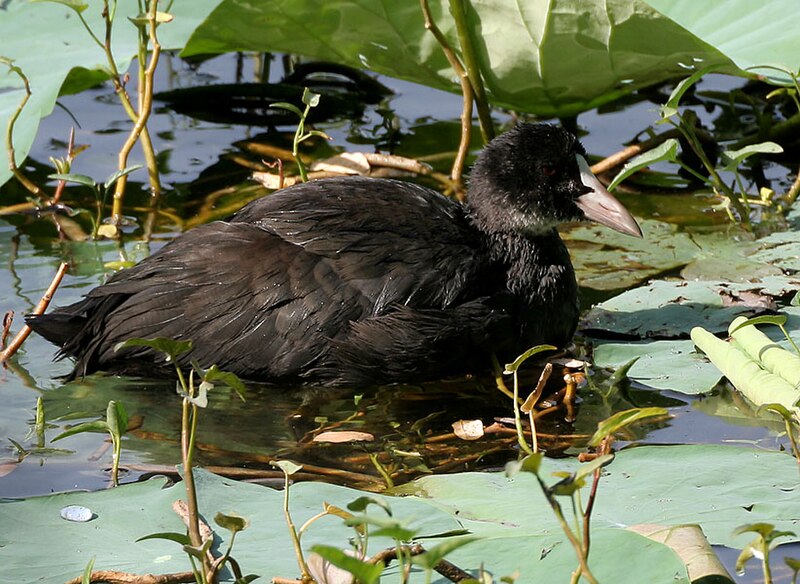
(411, 425)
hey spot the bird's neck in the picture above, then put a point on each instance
(537, 266)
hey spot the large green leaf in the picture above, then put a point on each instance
(58, 56)
(616, 46)
(516, 529)
(752, 35)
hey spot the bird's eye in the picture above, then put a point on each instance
(548, 169)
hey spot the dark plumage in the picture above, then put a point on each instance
(358, 281)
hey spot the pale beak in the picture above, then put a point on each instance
(601, 206)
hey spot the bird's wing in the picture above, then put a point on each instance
(263, 298)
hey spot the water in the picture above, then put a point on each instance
(273, 421)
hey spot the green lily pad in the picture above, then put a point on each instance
(673, 365)
(666, 485)
(669, 309)
(780, 248)
(607, 260)
(650, 484)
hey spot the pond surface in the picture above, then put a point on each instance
(412, 426)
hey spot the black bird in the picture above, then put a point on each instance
(359, 281)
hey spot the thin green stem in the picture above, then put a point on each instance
(145, 108)
(789, 338)
(473, 69)
(12, 163)
(576, 544)
(298, 550)
(518, 418)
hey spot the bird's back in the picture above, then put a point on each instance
(343, 281)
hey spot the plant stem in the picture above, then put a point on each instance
(468, 99)
(145, 108)
(579, 551)
(298, 550)
(12, 163)
(473, 70)
(518, 418)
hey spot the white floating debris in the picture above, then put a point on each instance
(77, 513)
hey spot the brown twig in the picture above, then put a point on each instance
(604, 448)
(113, 577)
(40, 308)
(445, 568)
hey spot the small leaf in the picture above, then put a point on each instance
(170, 347)
(80, 179)
(364, 572)
(231, 521)
(310, 98)
(468, 429)
(776, 319)
(214, 375)
(436, 554)
(731, 159)
(588, 468)
(108, 231)
(143, 19)
(75, 5)
(201, 551)
(624, 419)
(361, 504)
(287, 466)
(116, 418)
(288, 106)
(97, 426)
(671, 107)
(530, 463)
(621, 373)
(386, 527)
(119, 174)
(512, 367)
(200, 399)
(180, 538)
(86, 578)
(665, 152)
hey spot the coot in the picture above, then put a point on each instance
(360, 281)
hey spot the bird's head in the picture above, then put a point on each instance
(534, 177)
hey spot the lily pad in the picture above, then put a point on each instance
(673, 365)
(607, 260)
(669, 309)
(658, 484)
(669, 485)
